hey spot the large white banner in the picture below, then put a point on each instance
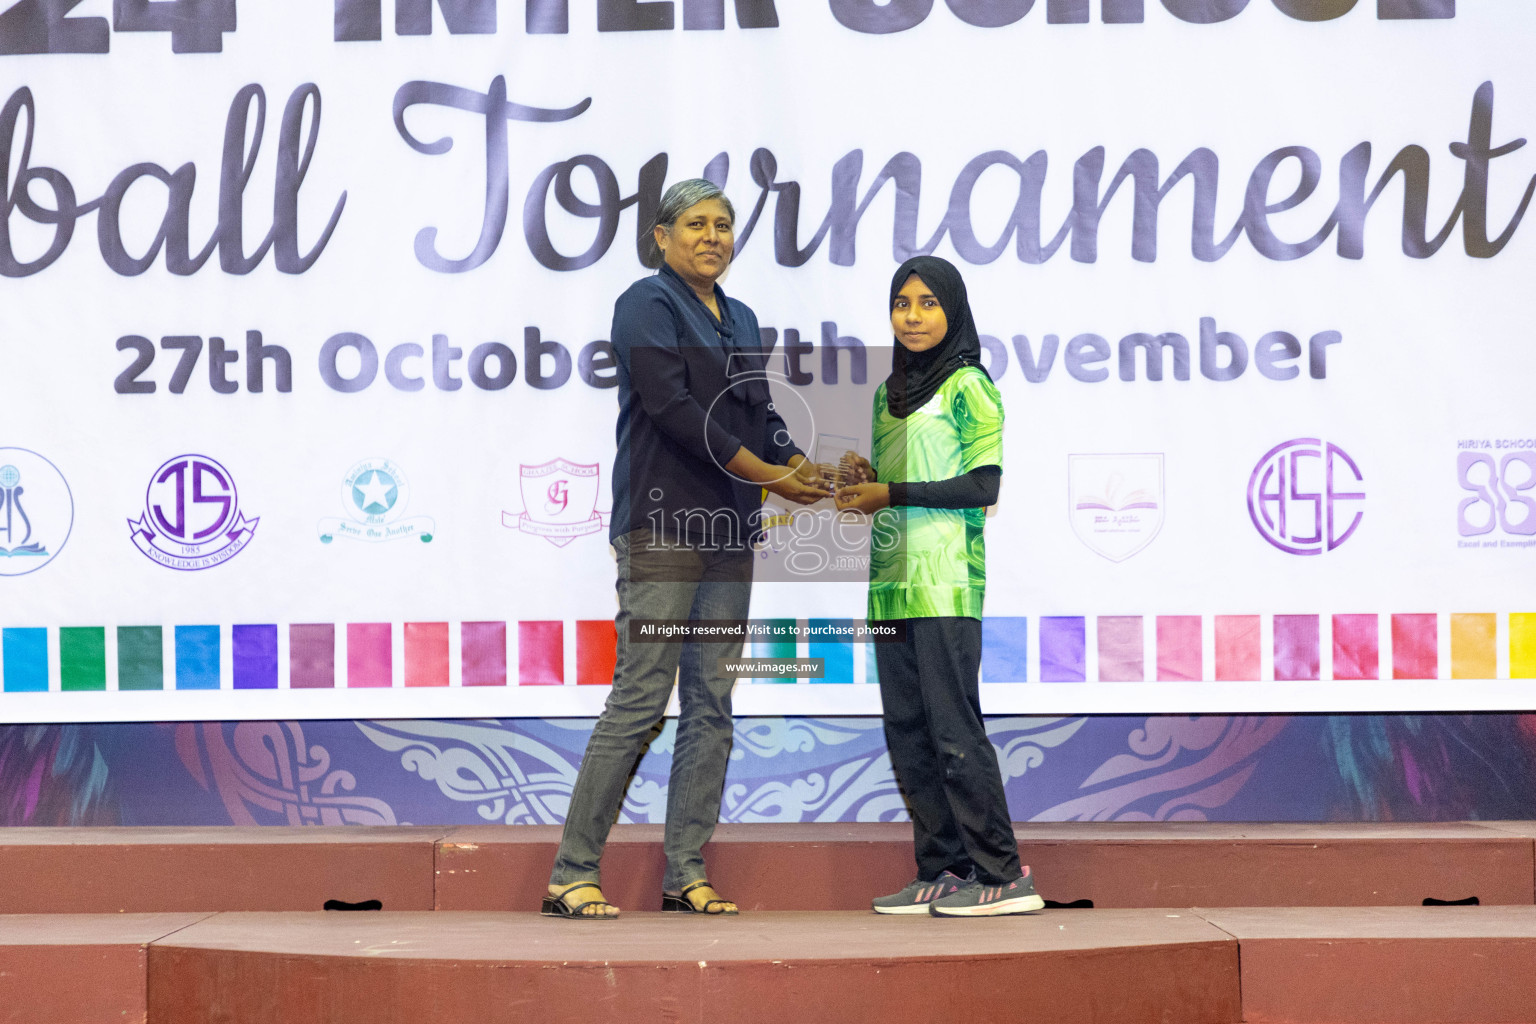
(306, 405)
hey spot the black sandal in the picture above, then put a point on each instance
(681, 904)
(556, 906)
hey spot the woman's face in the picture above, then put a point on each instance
(699, 243)
(917, 318)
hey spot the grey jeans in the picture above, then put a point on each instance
(661, 583)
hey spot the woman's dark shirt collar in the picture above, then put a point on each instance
(722, 323)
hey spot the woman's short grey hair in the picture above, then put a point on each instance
(680, 198)
(686, 194)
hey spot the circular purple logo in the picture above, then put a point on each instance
(191, 515)
(1304, 496)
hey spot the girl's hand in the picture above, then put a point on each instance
(856, 469)
(867, 498)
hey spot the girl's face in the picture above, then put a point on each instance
(917, 318)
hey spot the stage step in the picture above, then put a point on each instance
(761, 866)
(798, 968)
(1385, 965)
(1111, 864)
(1267, 965)
(77, 968)
(150, 870)
(1278, 864)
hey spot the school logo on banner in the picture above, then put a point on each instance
(192, 518)
(1498, 507)
(1305, 496)
(1115, 502)
(37, 511)
(375, 494)
(559, 501)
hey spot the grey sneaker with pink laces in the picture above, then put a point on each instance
(983, 899)
(918, 894)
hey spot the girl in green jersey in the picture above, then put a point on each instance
(937, 465)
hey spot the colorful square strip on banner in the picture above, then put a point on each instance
(1123, 648)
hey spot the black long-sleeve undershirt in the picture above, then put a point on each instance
(976, 489)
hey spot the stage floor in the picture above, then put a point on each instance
(193, 926)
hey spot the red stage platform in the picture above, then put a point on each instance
(1385, 965)
(763, 867)
(1150, 864)
(1118, 966)
(72, 968)
(1300, 923)
(147, 870)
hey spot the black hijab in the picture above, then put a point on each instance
(917, 376)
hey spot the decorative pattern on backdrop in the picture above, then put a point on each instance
(520, 771)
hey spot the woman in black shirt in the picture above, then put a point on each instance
(698, 442)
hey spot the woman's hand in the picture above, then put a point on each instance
(809, 472)
(801, 483)
(867, 498)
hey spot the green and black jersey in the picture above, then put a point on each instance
(930, 562)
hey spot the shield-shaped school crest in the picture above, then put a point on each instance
(1115, 502)
(559, 501)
